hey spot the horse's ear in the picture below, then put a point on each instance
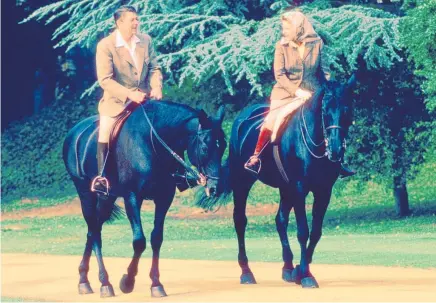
(202, 117)
(220, 114)
(351, 83)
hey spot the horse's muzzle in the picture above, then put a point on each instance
(210, 191)
(335, 149)
(211, 187)
(336, 155)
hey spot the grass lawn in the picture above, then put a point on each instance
(346, 239)
(360, 228)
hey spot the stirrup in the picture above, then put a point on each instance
(100, 185)
(253, 168)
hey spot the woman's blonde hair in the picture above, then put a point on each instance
(291, 15)
(301, 22)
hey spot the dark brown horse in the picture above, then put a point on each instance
(310, 148)
(144, 159)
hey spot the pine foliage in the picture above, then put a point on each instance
(200, 39)
(418, 30)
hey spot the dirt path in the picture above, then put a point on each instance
(177, 210)
(55, 278)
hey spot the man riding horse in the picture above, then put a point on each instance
(128, 71)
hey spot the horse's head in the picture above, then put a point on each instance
(207, 148)
(337, 117)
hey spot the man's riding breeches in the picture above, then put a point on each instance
(104, 132)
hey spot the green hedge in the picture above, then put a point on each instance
(32, 164)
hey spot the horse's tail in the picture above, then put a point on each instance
(224, 190)
(108, 210)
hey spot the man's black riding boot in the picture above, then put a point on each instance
(101, 156)
(345, 172)
(100, 184)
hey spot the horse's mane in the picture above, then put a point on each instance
(168, 112)
(172, 105)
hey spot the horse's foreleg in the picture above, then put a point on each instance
(106, 289)
(104, 208)
(133, 210)
(88, 203)
(282, 221)
(321, 202)
(162, 205)
(240, 220)
(302, 273)
(84, 285)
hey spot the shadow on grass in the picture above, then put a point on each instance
(371, 219)
(378, 213)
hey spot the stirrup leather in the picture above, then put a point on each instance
(249, 167)
(100, 185)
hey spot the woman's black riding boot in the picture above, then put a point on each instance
(100, 184)
(345, 172)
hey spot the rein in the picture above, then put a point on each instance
(324, 130)
(189, 169)
(197, 148)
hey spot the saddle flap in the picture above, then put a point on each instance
(250, 123)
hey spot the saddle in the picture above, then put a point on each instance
(119, 121)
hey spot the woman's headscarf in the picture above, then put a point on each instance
(302, 28)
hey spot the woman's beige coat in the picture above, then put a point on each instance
(291, 72)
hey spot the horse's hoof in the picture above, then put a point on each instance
(127, 285)
(309, 282)
(85, 288)
(296, 276)
(158, 291)
(248, 278)
(107, 291)
(287, 275)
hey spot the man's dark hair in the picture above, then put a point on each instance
(123, 9)
(292, 8)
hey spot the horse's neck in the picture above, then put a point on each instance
(313, 119)
(173, 125)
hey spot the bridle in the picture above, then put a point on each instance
(325, 141)
(201, 132)
(201, 177)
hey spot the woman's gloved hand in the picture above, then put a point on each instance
(305, 94)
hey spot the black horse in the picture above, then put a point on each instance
(310, 150)
(143, 161)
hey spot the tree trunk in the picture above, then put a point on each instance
(401, 197)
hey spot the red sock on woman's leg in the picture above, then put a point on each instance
(264, 136)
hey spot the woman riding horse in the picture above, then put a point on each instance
(298, 71)
(307, 158)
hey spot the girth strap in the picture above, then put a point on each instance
(279, 163)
